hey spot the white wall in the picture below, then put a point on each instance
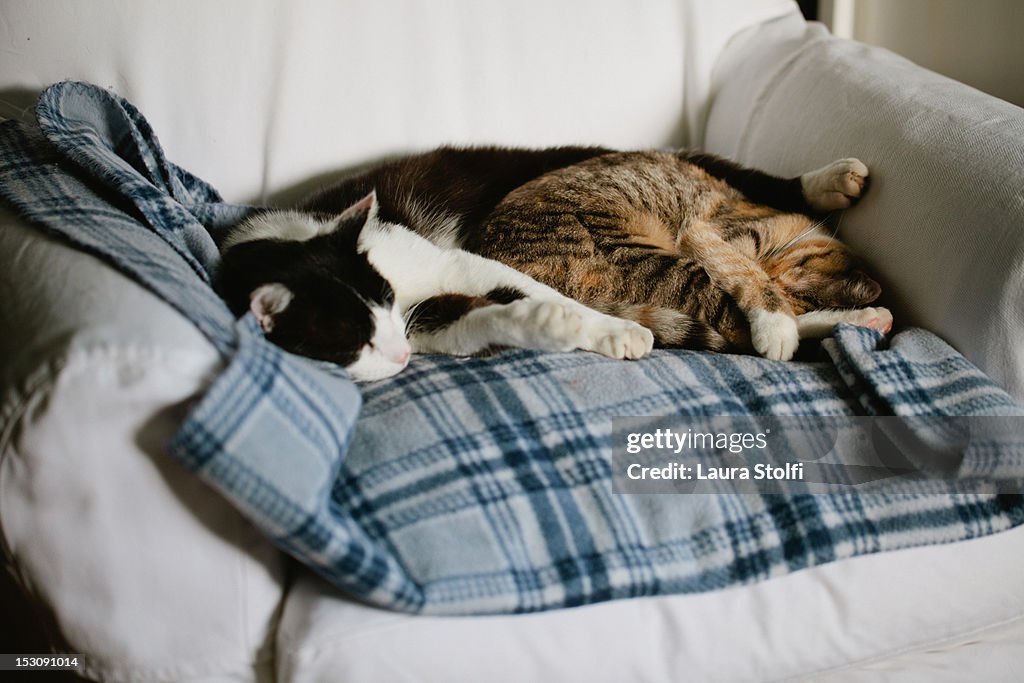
(979, 42)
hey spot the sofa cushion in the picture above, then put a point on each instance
(889, 616)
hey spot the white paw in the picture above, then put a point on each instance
(546, 325)
(877, 318)
(835, 186)
(618, 338)
(774, 335)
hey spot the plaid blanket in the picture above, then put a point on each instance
(479, 485)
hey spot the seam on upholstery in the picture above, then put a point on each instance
(294, 655)
(34, 384)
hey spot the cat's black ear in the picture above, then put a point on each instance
(267, 302)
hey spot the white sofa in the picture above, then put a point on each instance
(137, 565)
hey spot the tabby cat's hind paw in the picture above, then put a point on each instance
(836, 186)
(774, 335)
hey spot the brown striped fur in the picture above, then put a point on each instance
(656, 239)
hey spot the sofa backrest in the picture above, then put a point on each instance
(258, 96)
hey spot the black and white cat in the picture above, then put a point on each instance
(365, 293)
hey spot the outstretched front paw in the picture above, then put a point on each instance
(774, 335)
(558, 326)
(618, 338)
(836, 186)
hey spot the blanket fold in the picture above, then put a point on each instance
(473, 486)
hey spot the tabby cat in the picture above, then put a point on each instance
(462, 250)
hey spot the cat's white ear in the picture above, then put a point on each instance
(367, 205)
(268, 301)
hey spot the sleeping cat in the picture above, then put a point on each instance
(461, 250)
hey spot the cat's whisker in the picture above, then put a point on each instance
(411, 315)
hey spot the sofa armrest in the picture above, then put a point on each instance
(943, 223)
(132, 561)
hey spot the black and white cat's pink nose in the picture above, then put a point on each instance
(401, 356)
(387, 352)
(380, 359)
(390, 342)
(390, 337)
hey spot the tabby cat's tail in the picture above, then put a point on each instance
(671, 329)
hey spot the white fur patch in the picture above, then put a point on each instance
(283, 225)
(439, 227)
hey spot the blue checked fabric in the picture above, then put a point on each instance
(471, 486)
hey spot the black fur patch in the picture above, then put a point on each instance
(504, 295)
(439, 312)
(784, 194)
(466, 183)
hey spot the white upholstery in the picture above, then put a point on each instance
(255, 97)
(139, 561)
(157, 579)
(856, 620)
